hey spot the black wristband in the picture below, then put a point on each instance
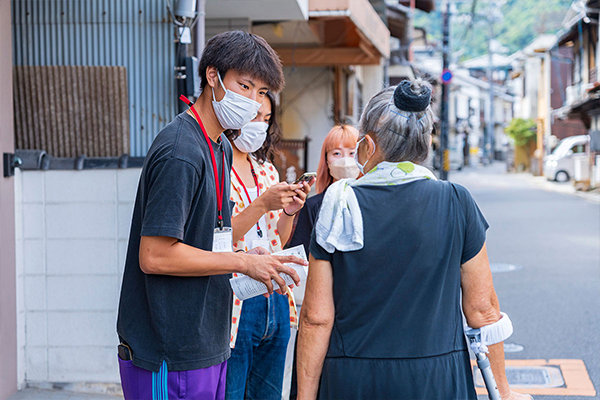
(290, 215)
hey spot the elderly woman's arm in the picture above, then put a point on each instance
(481, 307)
(316, 322)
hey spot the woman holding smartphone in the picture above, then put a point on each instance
(337, 162)
(263, 216)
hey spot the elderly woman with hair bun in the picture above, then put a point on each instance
(391, 253)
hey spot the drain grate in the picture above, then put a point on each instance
(529, 377)
(504, 267)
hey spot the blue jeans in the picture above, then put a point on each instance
(255, 369)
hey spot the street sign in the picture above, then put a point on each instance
(446, 76)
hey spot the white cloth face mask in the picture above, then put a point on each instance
(252, 136)
(360, 166)
(234, 110)
(343, 168)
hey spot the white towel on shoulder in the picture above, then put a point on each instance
(340, 223)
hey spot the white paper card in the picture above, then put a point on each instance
(245, 287)
(223, 240)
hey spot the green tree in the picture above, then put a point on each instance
(522, 131)
(522, 21)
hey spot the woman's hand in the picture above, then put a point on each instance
(517, 396)
(261, 251)
(278, 196)
(300, 198)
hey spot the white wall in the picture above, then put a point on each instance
(532, 81)
(307, 103)
(371, 77)
(307, 107)
(72, 231)
(526, 104)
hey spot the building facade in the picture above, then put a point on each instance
(580, 40)
(8, 290)
(65, 225)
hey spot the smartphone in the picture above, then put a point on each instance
(124, 352)
(306, 177)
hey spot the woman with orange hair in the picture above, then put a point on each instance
(337, 162)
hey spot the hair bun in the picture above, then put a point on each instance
(412, 96)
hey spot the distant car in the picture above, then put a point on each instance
(559, 166)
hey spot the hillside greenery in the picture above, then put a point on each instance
(522, 131)
(521, 22)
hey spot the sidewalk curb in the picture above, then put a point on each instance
(565, 188)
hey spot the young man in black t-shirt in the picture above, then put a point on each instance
(175, 305)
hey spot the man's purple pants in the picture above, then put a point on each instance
(198, 384)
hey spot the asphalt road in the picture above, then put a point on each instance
(554, 300)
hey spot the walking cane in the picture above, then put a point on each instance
(483, 363)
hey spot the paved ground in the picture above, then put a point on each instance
(36, 394)
(554, 234)
(554, 300)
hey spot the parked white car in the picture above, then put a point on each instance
(560, 166)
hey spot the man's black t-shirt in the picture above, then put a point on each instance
(182, 320)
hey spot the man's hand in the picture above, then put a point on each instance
(265, 268)
(260, 251)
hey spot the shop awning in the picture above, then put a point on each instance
(338, 32)
(423, 5)
(261, 10)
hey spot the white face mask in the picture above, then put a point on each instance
(252, 137)
(234, 110)
(361, 167)
(343, 168)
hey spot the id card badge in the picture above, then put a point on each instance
(223, 240)
(264, 243)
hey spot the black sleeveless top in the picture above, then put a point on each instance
(398, 298)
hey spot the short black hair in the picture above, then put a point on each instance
(243, 52)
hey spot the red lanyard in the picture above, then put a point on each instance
(258, 230)
(220, 188)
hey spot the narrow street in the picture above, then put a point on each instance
(552, 289)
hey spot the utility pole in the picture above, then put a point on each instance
(411, 30)
(489, 136)
(200, 29)
(444, 156)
